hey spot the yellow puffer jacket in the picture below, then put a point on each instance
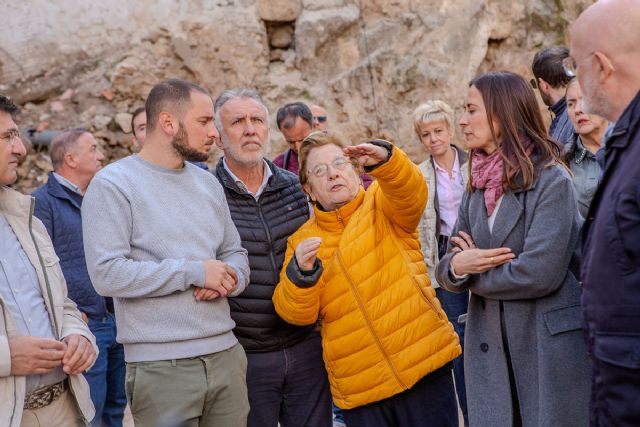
(382, 327)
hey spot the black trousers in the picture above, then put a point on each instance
(431, 402)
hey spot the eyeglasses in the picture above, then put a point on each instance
(321, 169)
(534, 83)
(570, 65)
(11, 136)
(321, 119)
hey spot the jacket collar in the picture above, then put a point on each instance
(559, 107)
(339, 218)
(463, 156)
(57, 190)
(277, 180)
(14, 203)
(629, 119)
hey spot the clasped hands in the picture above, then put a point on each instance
(220, 280)
(471, 260)
(35, 355)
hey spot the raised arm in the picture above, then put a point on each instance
(402, 192)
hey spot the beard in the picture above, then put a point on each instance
(180, 144)
(546, 98)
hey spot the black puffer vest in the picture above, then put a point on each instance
(264, 227)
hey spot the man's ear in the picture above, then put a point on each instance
(167, 123)
(543, 85)
(605, 67)
(219, 142)
(70, 161)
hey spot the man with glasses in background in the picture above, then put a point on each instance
(606, 59)
(296, 122)
(320, 121)
(44, 343)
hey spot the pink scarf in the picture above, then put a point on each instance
(486, 174)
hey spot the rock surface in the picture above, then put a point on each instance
(369, 62)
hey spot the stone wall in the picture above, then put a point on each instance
(369, 62)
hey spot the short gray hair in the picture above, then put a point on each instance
(230, 94)
(62, 144)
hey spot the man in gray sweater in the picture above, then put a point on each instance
(159, 239)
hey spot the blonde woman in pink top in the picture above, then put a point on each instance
(446, 173)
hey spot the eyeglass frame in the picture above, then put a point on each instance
(321, 119)
(344, 161)
(570, 64)
(11, 136)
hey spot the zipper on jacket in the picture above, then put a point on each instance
(368, 320)
(49, 294)
(270, 240)
(44, 269)
(417, 285)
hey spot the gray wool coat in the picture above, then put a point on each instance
(530, 307)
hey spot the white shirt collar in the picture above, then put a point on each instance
(456, 164)
(66, 183)
(265, 178)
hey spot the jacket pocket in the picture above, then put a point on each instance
(563, 319)
(621, 350)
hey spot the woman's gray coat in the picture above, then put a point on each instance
(539, 299)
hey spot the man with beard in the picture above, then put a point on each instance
(605, 54)
(139, 131)
(551, 81)
(159, 239)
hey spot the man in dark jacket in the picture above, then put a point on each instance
(607, 61)
(76, 158)
(286, 378)
(551, 81)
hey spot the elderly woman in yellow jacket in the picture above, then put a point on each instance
(357, 265)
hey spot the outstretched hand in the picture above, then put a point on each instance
(366, 154)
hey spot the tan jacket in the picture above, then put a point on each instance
(65, 317)
(428, 229)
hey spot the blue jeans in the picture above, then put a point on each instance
(455, 305)
(337, 414)
(106, 376)
(289, 386)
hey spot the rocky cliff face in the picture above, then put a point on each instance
(369, 62)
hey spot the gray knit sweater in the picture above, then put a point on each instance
(147, 231)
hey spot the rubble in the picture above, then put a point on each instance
(369, 63)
